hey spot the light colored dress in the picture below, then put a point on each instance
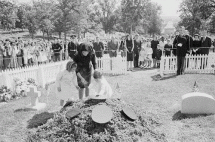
(25, 55)
(142, 55)
(67, 81)
(104, 88)
(149, 54)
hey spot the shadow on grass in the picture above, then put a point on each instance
(179, 116)
(158, 77)
(142, 69)
(24, 109)
(39, 119)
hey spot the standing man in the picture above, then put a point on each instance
(154, 46)
(205, 43)
(205, 47)
(72, 46)
(137, 47)
(182, 46)
(189, 40)
(56, 47)
(98, 47)
(113, 47)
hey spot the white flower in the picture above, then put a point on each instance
(18, 89)
(4, 90)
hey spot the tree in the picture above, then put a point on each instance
(107, 15)
(21, 14)
(8, 15)
(45, 15)
(196, 14)
(66, 9)
(134, 12)
(31, 23)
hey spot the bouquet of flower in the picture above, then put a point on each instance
(22, 86)
(5, 93)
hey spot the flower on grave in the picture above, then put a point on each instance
(7, 97)
(18, 89)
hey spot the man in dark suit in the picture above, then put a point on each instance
(137, 47)
(205, 47)
(205, 43)
(98, 47)
(182, 46)
(56, 47)
(72, 46)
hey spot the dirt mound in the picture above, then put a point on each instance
(84, 129)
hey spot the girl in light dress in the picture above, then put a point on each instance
(148, 58)
(142, 56)
(25, 55)
(104, 88)
(64, 82)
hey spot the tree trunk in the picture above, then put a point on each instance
(131, 29)
(59, 34)
(43, 34)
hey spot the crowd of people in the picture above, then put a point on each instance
(139, 51)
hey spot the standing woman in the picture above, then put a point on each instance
(19, 55)
(7, 54)
(86, 61)
(122, 47)
(130, 53)
(1, 55)
(14, 51)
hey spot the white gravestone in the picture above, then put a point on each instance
(197, 103)
(34, 95)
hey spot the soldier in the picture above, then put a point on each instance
(98, 47)
(72, 46)
(56, 47)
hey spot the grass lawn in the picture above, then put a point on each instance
(161, 99)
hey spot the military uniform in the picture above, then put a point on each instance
(99, 48)
(72, 49)
(56, 47)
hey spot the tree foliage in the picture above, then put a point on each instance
(81, 16)
(196, 14)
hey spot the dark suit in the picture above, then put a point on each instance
(181, 52)
(99, 48)
(137, 47)
(56, 47)
(72, 49)
(205, 43)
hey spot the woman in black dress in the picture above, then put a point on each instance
(122, 48)
(85, 60)
(130, 53)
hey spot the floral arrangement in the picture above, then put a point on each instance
(83, 129)
(22, 86)
(213, 66)
(5, 93)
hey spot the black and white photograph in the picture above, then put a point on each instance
(107, 70)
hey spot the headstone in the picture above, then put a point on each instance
(34, 95)
(197, 103)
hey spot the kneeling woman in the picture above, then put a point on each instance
(86, 61)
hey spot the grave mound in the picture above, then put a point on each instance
(82, 128)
